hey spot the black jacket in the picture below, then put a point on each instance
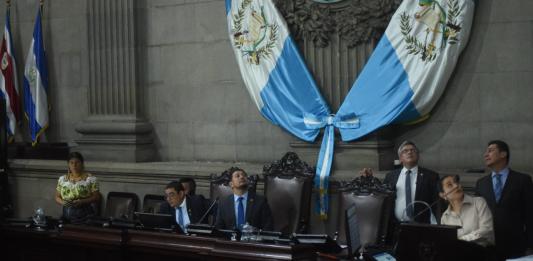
(513, 214)
(258, 213)
(196, 207)
(426, 190)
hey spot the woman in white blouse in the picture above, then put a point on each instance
(470, 213)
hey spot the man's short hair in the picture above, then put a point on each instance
(175, 185)
(235, 169)
(405, 143)
(190, 181)
(502, 146)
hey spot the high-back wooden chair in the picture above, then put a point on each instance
(288, 188)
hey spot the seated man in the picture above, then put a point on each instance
(472, 214)
(242, 207)
(184, 208)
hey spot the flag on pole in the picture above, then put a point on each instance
(8, 80)
(36, 84)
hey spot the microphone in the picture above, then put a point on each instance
(428, 206)
(208, 210)
(404, 214)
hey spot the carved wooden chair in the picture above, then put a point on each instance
(121, 205)
(374, 203)
(288, 188)
(152, 203)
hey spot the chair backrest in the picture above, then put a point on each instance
(220, 188)
(288, 188)
(152, 203)
(121, 205)
(373, 206)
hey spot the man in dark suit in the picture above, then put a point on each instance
(189, 185)
(243, 207)
(184, 209)
(413, 185)
(509, 195)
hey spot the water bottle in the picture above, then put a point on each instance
(39, 219)
(247, 232)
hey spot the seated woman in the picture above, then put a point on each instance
(470, 213)
(77, 191)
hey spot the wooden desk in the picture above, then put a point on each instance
(90, 243)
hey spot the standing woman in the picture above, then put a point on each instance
(77, 191)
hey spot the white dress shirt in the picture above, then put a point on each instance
(399, 209)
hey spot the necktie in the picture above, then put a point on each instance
(180, 218)
(498, 187)
(408, 206)
(240, 213)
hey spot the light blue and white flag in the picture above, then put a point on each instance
(272, 69)
(402, 81)
(409, 69)
(36, 84)
(278, 80)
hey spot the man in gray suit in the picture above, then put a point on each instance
(243, 207)
(509, 195)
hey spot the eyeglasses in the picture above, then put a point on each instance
(405, 151)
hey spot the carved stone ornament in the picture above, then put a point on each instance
(355, 21)
(364, 185)
(290, 165)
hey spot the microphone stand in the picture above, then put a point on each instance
(208, 210)
(428, 206)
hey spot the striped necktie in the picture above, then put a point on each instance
(498, 186)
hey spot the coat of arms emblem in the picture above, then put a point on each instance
(5, 61)
(254, 35)
(441, 28)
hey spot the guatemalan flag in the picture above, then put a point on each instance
(278, 80)
(409, 69)
(401, 82)
(36, 84)
(8, 80)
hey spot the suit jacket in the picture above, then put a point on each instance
(513, 214)
(196, 207)
(426, 190)
(258, 213)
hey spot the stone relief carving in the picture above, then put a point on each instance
(355, 21)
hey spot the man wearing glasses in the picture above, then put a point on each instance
(184, 208)
(415, 187)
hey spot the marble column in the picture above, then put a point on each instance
(115, 129)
